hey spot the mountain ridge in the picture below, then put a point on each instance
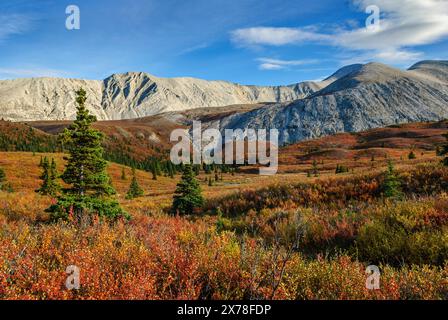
(373, 96)
(139, 94)
(354, 98)
(132, 95)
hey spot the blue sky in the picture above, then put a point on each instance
(262, 42)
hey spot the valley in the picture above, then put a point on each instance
(360, 182)
(246, 228)
(210, 159)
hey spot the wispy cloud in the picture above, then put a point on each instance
(194, 48)
(276, 64)
(13, 24)
(9, 73)
(404, 24)
(275, 36)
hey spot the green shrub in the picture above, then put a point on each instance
(406, 233)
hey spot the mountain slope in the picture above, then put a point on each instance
(433, 69)
(135, 95)
(46, 98)
(132, 95)
(138, 94)
(371, 96)
(355, 98)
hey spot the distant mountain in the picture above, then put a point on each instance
(433, 69)
(138, 94)
(344, 71)
(132, 95)
(361, 98)
(46, 99)
(354, 98)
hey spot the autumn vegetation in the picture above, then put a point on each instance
(159, 231)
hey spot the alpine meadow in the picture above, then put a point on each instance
(284, 189)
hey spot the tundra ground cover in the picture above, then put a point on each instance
(238, 247)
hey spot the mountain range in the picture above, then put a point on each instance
(369, 96)
(132, 95)
(355, 98)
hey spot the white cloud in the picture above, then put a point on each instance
(398, 55)
(270, 66)
(274, 36)
(11, 24)
(276, 64)
(8, 73)
(393, 57)
(403, 24)
(193, 48)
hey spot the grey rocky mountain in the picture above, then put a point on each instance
(132, 95)
(137, 94)
(369, 96)
(355, 98)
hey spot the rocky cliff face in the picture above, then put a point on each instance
(370, 96)
(132, 95)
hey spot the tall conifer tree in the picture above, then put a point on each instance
(90, 191)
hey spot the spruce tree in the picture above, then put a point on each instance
(89, 190)
(55, 187)
(2, 178)
(157, 167)
(444, 151)
(44, 176)
(341, 169)
(123, 174)
(49, 177)
(392, 184)
(134, 189)
(170, 170)
(315, 168)
(188, 194)
(154, 172)
(196, 169)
